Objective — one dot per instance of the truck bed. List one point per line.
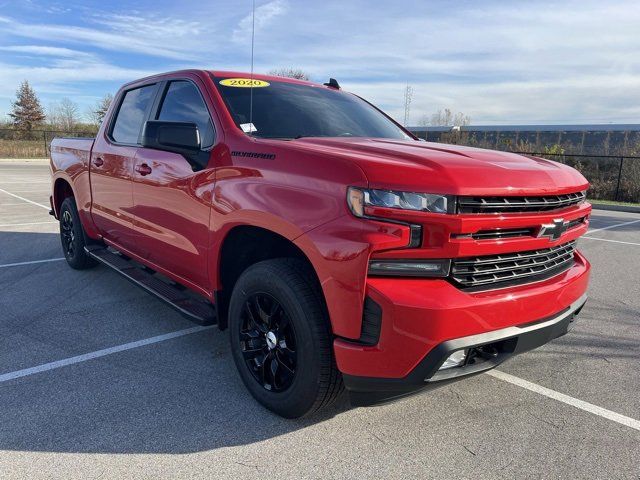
(71, 152)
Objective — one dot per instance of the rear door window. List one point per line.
(132, 114)
(183, 103)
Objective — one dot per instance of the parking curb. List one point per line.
(616, 208)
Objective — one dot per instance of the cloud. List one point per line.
(150, 27)
(522, 62)
(42, 50)
(548, 62)
(49, 78)
(139, 34)
(264, 15)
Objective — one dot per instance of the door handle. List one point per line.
(143, 169)
(98, 162)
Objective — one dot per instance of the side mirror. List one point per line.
(177, 137)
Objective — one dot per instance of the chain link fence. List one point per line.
(610, 160)
(612, 177)
(32, 143)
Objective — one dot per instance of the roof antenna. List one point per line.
(253, 32)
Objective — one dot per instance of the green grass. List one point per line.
(611, 202)
(22, 149)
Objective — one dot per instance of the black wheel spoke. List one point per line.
(273, 370)
(283, 322)
(276, 311)
(66, 231)
(264, 372)
(264, 316)
(287, 355)
(255, 318)
(248, 335)
(252, 353)
(285, 372)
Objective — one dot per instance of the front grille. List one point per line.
(518, 204)
(505, 233)
(573, 223)
(502, 233)
(496, 271)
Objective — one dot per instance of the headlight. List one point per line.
(359, 198)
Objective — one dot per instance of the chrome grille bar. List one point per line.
(521, 266)
(518, 204)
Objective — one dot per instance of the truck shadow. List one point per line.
(176, 396)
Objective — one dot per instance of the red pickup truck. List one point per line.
(337, 249)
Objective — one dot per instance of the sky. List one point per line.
(500, 62)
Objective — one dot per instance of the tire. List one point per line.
(276, 315)
(72, 237)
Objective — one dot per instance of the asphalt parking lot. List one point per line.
(162, 399)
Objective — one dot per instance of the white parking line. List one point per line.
(612, 226)
(12, 204)
(561, 397)
(31, 263)
(23, 224)
(24, 199)
(99, 353)
(30, 182)
(612, 241)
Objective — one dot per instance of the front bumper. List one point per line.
(505, 342)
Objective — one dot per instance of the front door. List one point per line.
(112, 163)
(172, 201)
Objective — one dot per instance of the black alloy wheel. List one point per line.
(268, 342)
(67, 234)
(72, 236)
(280, 337)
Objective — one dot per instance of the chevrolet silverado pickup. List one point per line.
(338, 250)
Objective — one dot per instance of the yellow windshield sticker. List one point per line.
(243, 82)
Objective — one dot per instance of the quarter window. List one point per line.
(183, 103)
(132, 114)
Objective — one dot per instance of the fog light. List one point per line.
(456, 359)
(410, 268)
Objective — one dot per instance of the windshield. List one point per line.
(291, 110)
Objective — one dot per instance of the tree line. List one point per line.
(27, 113)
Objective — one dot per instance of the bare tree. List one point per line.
(26, 110)
(97, 113)
(460, 119)
(290, 72)
(64, 115)
(446, 118)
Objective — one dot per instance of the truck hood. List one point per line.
(448, 169)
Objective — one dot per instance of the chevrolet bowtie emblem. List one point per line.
(553, 230)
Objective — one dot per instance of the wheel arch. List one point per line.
(61, 189)
(244, 245)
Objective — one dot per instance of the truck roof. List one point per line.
(227, 74)
(273, 78)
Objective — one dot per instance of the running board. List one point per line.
(198, 311)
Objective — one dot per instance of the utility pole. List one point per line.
(408, 93)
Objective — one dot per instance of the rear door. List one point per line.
(112, 163)
(171, 197)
